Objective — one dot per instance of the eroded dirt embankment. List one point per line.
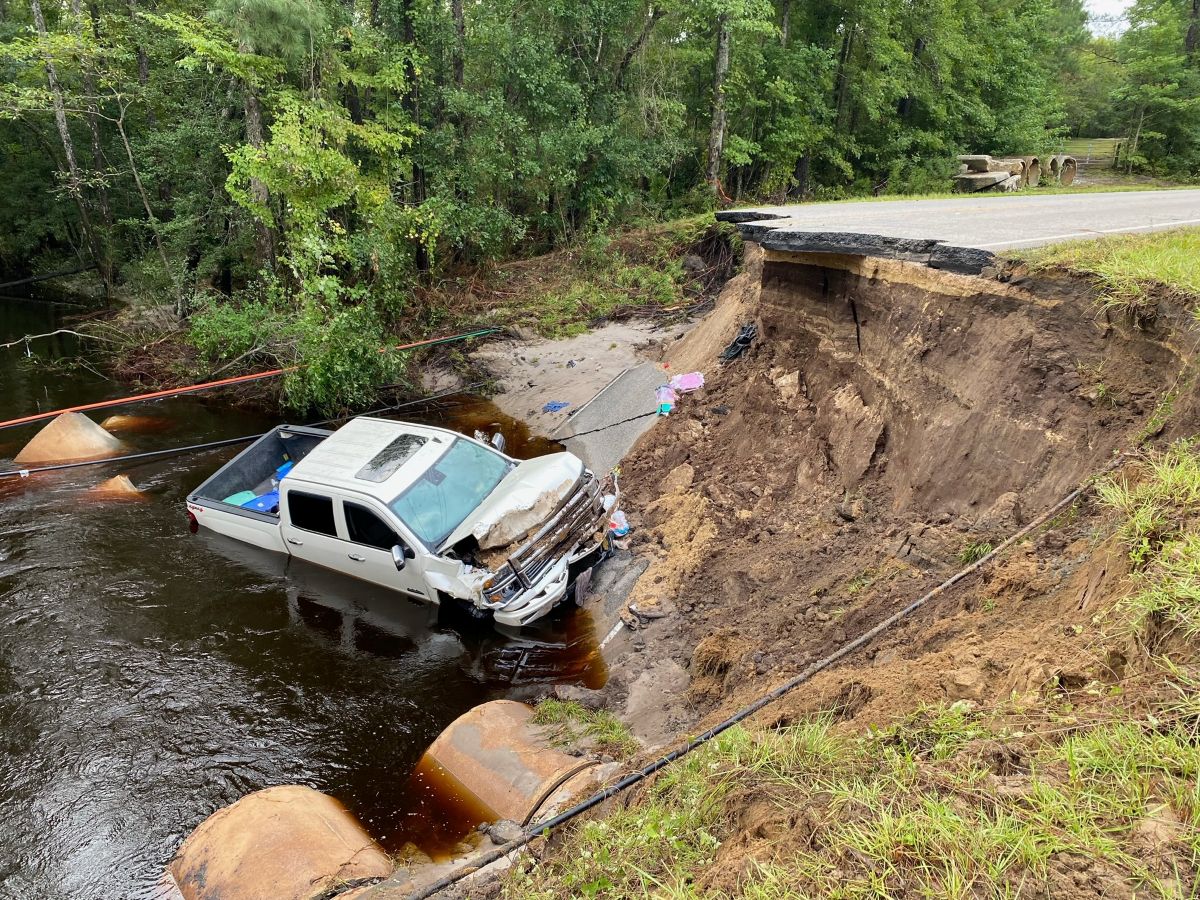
(889, 422)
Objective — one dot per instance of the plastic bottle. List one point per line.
(618, 524)
(666, 397)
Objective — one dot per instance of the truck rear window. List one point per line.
(312, 512)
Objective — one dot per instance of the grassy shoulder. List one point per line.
(1087, 792)
(1130, 271)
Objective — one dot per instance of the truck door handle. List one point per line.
(296, 542)
(356, 557)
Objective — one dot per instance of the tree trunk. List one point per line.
(800, 175)
(181, 304)
(460, 40)
(412, 103)
(785, 23)
(716, 133)
(644, 35)
(264, 240)
(93, 121)
(1137, 136)
(1191, 41)
(74, 181)
(841, 81)
(905, 107)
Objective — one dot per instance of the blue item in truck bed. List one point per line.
(284, 469)
(241, 498)
(265, 503)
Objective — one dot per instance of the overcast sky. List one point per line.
(1106, 11)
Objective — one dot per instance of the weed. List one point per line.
(1158, 419)
(1160, 532)
(572, 722)
(974, 552)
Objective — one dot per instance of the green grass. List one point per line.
(571, 723)
(908, 811)
(1160, 529)
(974, 552)
(610, 273)
(1129, 270)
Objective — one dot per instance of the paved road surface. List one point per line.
(996, 223)
(631, 393)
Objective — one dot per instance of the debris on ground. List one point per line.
(740, 344)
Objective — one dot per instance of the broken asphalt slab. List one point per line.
(609, 437)
(961, 234)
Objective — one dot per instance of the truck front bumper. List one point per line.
(531, 605)
(551, 588)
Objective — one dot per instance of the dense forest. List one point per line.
(296, 166)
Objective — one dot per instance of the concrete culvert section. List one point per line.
(496, 754)
(1033, 171)
(71, 436)
(1066, 170)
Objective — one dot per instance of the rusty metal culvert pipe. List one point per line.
(497, 755)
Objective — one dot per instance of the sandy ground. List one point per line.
(531, 374)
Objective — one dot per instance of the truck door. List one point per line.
(310, 529)
(370, 552)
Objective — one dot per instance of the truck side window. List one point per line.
(311, 512)
(367, 528)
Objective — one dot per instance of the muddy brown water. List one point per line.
(149, 676)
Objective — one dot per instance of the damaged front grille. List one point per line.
(582, 516)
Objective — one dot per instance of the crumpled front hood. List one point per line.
(528, 496)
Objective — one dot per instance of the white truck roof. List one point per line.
(376, 457)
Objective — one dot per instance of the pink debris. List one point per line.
(685, 384)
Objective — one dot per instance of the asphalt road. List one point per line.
(995, 222)
(629, 394)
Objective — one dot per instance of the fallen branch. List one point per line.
(34, 337)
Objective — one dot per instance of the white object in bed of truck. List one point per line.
(397, 504)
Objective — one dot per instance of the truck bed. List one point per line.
(253, 471)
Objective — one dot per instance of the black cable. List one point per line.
(25, 473)
(570, 437)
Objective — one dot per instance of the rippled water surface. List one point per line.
(149, 676)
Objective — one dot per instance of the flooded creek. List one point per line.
(149, 676)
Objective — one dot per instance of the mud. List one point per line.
(889, 419)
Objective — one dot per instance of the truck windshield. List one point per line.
(437, 502)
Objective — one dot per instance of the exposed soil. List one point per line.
(889, 420)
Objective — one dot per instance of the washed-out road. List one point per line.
(960, 234)
(997, 222)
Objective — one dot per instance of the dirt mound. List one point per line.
(890, 424)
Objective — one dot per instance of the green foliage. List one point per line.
(338, 154)
(336, 348)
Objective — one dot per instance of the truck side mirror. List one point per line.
(399, 557)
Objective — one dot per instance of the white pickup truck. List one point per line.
(429, 513)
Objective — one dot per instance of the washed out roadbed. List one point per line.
(891, 424)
